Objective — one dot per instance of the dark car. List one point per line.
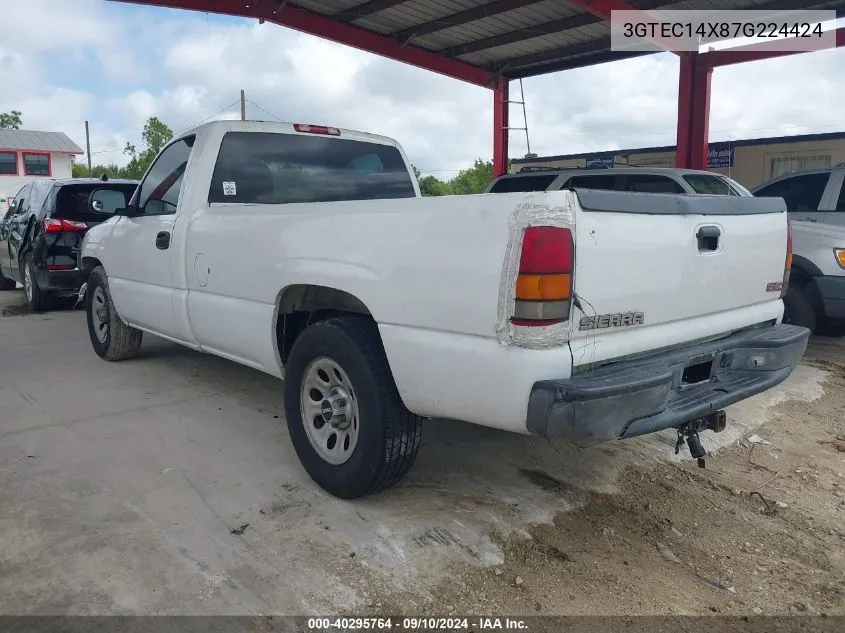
(42, 231)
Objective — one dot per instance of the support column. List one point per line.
(500, 126)
(693, 112)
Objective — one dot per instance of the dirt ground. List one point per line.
(759, 531)
(167, 485)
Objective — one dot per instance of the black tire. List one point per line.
(119, 341)
(798, 308)
(7, 284)
(38, 300)
(388, 435)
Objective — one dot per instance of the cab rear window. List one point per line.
(710, 185)
(273, 168)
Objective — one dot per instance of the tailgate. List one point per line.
(673, 259)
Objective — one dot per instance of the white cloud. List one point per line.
(184, 67)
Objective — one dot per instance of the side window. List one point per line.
(21, 204)
(650, 183)
(840, 204)
(801, 193)
(592, 182)
(159, 193)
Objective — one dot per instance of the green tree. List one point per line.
(154, 136)
(10, 120)
(468, 181)
(430, 185)
(472, 180)
(80, 170)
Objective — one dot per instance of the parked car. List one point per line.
(42, 231)
(633, 179)
(816, 204)
(306, 252)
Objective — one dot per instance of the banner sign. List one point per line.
(599, 160)
(720, 155)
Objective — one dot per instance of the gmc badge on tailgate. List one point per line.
(601, 321)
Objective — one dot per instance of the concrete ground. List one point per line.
(168, 485)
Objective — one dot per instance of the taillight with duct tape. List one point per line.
(544, 283)
(787, 267)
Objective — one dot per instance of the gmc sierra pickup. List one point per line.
(307, 252)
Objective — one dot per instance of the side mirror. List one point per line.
(106, 201)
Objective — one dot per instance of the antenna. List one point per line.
(525, 120)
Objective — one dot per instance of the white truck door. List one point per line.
(141, 277)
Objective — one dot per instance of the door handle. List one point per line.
(708, 238)
(163, 241)
(708, 231)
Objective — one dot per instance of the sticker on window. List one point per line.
(229, 189)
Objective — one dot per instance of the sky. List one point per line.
(63, 62)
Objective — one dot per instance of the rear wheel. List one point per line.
(7, 284)
(346, 419)
(798, 308)
(111, 338)
(37, 299)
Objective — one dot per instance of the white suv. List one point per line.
(816, 204)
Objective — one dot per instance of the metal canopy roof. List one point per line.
(473, 40)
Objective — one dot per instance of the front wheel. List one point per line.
(347, 422)
(111, 338)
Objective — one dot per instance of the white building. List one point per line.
(27, 155)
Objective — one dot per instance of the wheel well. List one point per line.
(301, 305)
(803, 279)
(89, 263)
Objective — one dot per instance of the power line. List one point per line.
(278, 118)
(208, 118)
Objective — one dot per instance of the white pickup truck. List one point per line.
(307, 252)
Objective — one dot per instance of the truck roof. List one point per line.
(286, 128)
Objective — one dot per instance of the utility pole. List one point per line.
(243, 106)
(88, 148)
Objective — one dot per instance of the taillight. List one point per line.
(544, 283)
(787, 266)
(316, 129)
(53, 225)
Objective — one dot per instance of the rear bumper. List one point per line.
(831, 293)
(645, 395)
(62, 281)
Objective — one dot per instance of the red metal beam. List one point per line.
(755, 52)
(693, 112)
(315, 24)
(603, 9)
(500, 127)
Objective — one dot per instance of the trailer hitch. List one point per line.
(688, 433)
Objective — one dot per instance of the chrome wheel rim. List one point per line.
(27, 282)
(100, 314)
(329, 410)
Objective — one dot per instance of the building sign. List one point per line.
(720, 155)
(599, 160)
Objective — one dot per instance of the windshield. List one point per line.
(714, 185)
